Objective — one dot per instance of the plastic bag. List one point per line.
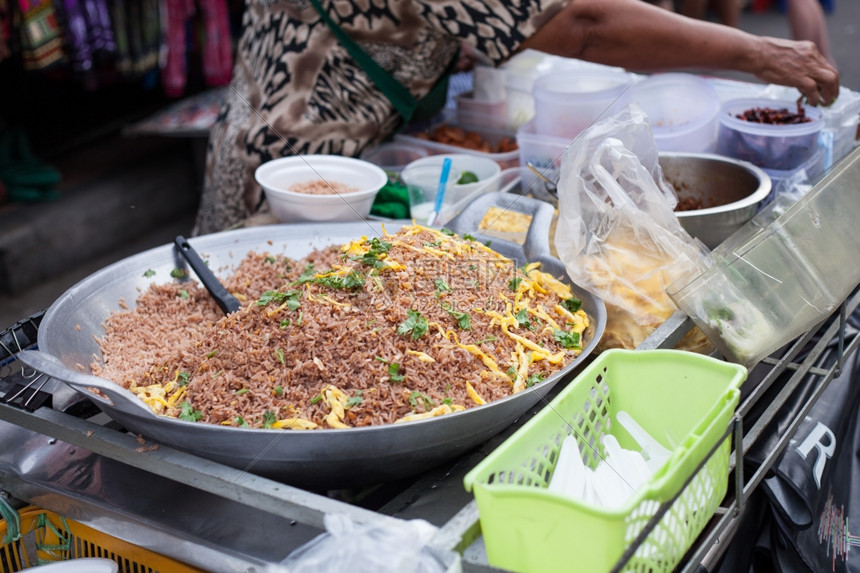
(618, 235)
(378, 547)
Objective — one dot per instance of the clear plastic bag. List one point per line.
(618, 235)
(378, 547)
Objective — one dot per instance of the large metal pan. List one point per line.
(318, 459)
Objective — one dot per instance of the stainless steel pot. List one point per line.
(730, 191)
(318, 459)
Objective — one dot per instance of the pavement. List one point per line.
(123, 195)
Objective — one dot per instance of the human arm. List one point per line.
(639, 36)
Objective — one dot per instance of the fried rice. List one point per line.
(405, 326)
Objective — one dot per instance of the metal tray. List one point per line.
(316, 460)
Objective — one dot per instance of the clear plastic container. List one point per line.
(542, 151)
(419, 135)
(393, 157)
(769, 285)
(567, 102)
(481, 112)
(681, 108)
(780, 147)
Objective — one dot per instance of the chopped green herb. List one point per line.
(299, 321)
(468, 237)
(279, 391)
(307, 274)
(463, 319)
(183, 378)
(441, 285)
(291, 297)
(183, 294)
(488, 339)
(448, 232)
(381, 359)
(285, 323)
(566, 339)
(269, 419)
(149, 273)
(188, 413)
(316, 399)
(179, 273)
(242, 391)
(394, 372)
(373, 256)
(415, 324)
(416, 395)
(448, 401)
(240, 421)
(514, 283)
(279, 354)
(523, 319)
(270, 260)
(211, 354)
(217, 374)
(354, 400)
(512, 372)
(488, 243)
(572, 304)
(351, 281)
(435, 244)
(535, 379)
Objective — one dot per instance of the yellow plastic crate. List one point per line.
(56, 538)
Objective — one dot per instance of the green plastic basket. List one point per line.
(684, 400)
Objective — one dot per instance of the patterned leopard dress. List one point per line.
(296, 89)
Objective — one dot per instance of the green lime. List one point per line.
(467, 177)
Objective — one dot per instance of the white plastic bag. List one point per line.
(379, 547)
(618, 235)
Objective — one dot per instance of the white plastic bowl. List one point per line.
(278, 175)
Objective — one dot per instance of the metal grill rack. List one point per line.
(60, 454)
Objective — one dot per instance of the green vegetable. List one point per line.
(415, 324)
(149, 273)
(463, 319)
(183, 378)
(572, 304)
(351, 281)
(567, 339)
(467, 177)
(269, 419)
(355, 400)
(290, 297)
(279, 354)
(179, 273)
(188, 413)
(394, 372)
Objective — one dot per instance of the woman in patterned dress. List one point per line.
(297, 90)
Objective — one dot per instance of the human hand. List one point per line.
(798, 64)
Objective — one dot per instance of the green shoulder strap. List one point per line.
(400, 97)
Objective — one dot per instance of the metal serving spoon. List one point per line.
(226, 301)
(551, 187)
